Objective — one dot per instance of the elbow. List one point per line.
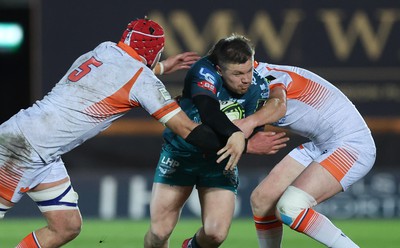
(181, 125)
(282, 107)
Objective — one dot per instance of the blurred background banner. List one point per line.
(353, 44)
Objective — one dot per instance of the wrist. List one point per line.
(253, 121)
(246, 142)
(159, 68)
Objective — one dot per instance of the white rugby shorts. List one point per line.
(348, 160)
(21, 168)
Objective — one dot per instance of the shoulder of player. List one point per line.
(203, 70)
(110, 53)
(204, 67)
(106, 46)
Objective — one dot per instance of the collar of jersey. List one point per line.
(129, 50)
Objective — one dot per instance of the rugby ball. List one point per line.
(233, 110)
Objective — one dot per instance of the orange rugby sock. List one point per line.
(269, 231)
(29, 241)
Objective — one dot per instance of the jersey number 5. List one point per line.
(83, 69)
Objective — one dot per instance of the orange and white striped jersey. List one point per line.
(316, 109)
(101, 86)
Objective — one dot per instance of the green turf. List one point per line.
(129, 233)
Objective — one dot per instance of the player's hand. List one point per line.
(233, 149)
(179, 62)
(266, 143)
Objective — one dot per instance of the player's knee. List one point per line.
(70, 231)
(68, 227)
(215, 238)
(261, 202)
(65, 224)
(292, 203)
(64, 227)
(159, 236)
(74, 227)
(215, 233)
(256, 199)
(73, 233)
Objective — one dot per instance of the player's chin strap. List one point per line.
(60, 197)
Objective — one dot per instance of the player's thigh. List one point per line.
(167, 202)
(21, 168)
(217, 207)
(336, 166)
(278, 179)
(29, 173)
(318, 182)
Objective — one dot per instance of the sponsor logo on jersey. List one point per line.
(168, 165)
(207, 74)
(263, 83)
(207, 86)
(24, 189)
(165, 94)
(254, 81)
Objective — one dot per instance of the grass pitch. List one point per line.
(129, 233)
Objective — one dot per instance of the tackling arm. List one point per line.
(273, 110)
(205, 138)
(266, 143)
(177, 62)
(212, 116)
(198, 135)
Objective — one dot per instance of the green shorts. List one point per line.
(190, 169)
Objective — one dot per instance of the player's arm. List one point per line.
(273, 110)
(212, 116)
(205, 138)
(177, 62)
(266, 142)
(201, 136)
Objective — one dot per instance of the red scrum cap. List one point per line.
(147, 38)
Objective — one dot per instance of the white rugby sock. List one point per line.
(343, 241)
(320, 228)
(269, 231)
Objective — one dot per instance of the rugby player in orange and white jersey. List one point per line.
(101, 86)
(341, 151)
